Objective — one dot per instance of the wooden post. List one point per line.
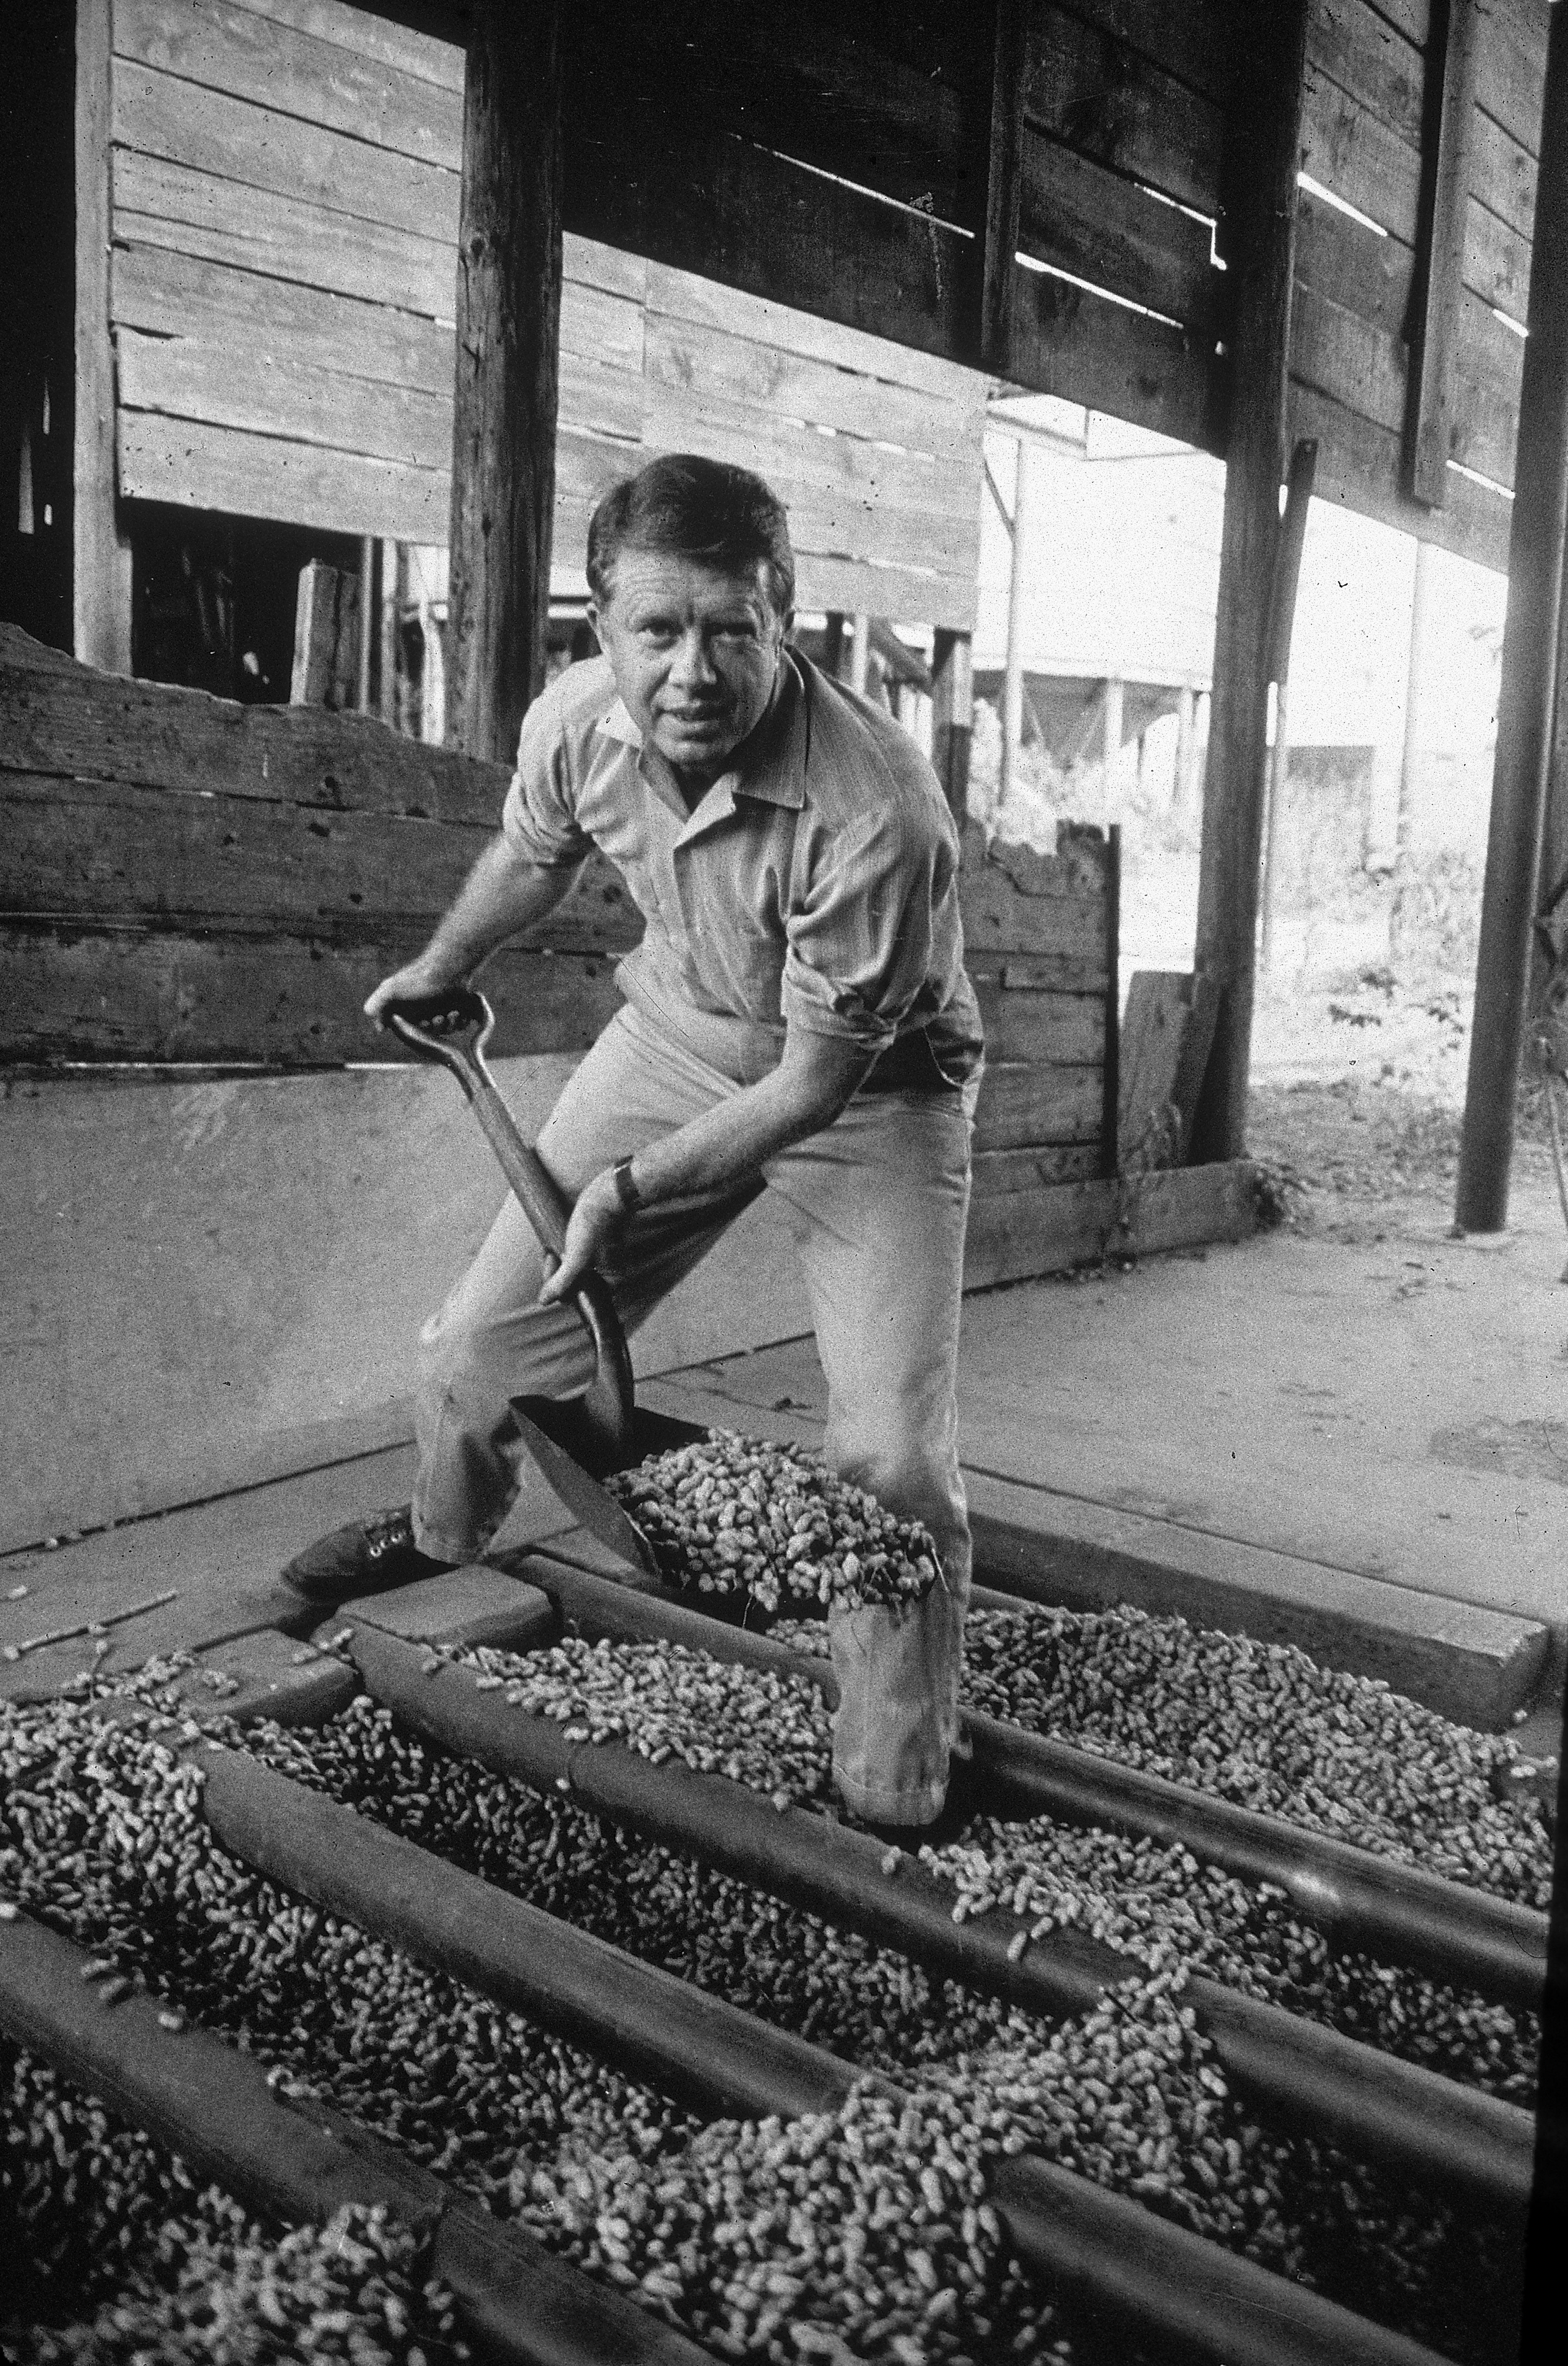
(391, 592)
(369, 622)
(860, 654)
(1186, 746)
(101, 598)
(1004, 181)
(952, 717)
(509, 320)
(833, 645)
(1526, 691)
(1017, 596)
(1443, 246)
(1288, 547)
(1259, 190)
(1113, 726)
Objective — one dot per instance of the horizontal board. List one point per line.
(996, 1173)
(154, 112)
(1090, 90)
(1195, 42)
(1012, 893)
(283, 235)
(1363, 367)
(1041, 1023)
(1022, 1103)
(66, 720)
(363, 30)
(1510, 64)
(706, 365)
(680, 295)
(899, 595)
(245, 864)
(1362, 465)
(273, 1001)
(715, 205)
(1084, 219)
(209, 467)
(1082, 349)
(172, 295)
(222, 47)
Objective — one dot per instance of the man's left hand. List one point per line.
(591, 1227)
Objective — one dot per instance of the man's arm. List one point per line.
(812, 1083)
(502, 894)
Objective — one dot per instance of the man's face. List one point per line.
(694, 651)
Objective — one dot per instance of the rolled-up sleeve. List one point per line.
(858, 947)
(539, 818)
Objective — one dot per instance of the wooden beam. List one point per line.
(509, 326)
(1522, 766)
(952, 717)
(1019, 559)
(1281, 619)
(1004, 181)
(100, 553)
(1442, 248)
(1262, 165)
(860, 654)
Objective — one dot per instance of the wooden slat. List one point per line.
(1361, 465)
(1091, 221)
(154, 112)
(1337, 353)
(1196, 43)
(1024, 1103)
(100, 577)
(283, 235)
(1085, 349)
(1513, 56)
(998, 1173)
(273, 1001)
(1352, 43)
(1092, 91)
(901, 595)
(743, 312)
(363, 30)
(1041, 1023)
(202, 467)
(712, 204)
(1003, 214)
(704, 364)
(1052, 907)
(218, 46)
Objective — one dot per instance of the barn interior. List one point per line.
(330, 326)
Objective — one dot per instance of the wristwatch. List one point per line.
(626, 1190)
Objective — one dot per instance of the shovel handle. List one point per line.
(455, 1028)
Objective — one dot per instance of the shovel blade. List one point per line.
(586, 1499)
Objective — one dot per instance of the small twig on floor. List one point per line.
(89, 1626)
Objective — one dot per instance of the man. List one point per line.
(797, 1018)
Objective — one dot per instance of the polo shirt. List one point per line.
(814, 886)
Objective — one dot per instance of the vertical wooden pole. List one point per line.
(369, 622)
(391, 592)
(1186, 741)
(833, 645)
(1526, 691)
(101, 555)
(1432, 382)
(509, 319)
(1113, 727)
(952, 717)
(1410, 760)
(860, 654)
(1262, 159)
(1017, 602)
(1004, 181)
(1285, 577)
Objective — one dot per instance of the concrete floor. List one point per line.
(1396, 1408)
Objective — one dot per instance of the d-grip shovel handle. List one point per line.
(455, 1028)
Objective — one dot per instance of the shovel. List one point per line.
(455, 1028)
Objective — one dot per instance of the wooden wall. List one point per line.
(285, 196)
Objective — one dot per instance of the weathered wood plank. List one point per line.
(267, 1001)
(743, 312)
(100, 570)
(1337, 353)
(1357, 47)
(1361, 464)
(1084, 349)
(246, 863)
(254, 392)
(997, 1173)
(362, 30)
(1436, 412)
(899, 594)
(1167, 1030)
(69, 722)
(1196, 43)
(1084, 219)
(220, 47)
(1093, 90)
(1016, 901)
(152, 111)
(1024, 1103)
(1051, 1230)
(1002, 215)
(1031, 1022)
(1513, 56)
(202, 467)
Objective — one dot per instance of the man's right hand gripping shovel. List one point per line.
(454, 1027)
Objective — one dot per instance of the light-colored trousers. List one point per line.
(876, 1204)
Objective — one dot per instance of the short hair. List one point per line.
(691, 508)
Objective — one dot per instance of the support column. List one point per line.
(1114, 727)
(1409, 760)
(952, 717)
(860, 654)
(1258, 222)
(100, 553)
(509, 318)
(1526, 694)
(1186, 749)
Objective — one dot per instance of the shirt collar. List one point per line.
(775, 765)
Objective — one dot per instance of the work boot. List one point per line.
(367, 1557)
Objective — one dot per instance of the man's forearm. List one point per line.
(809, 1088)
(501, 894)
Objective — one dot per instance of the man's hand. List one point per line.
(426, 976)
(592, 1226)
